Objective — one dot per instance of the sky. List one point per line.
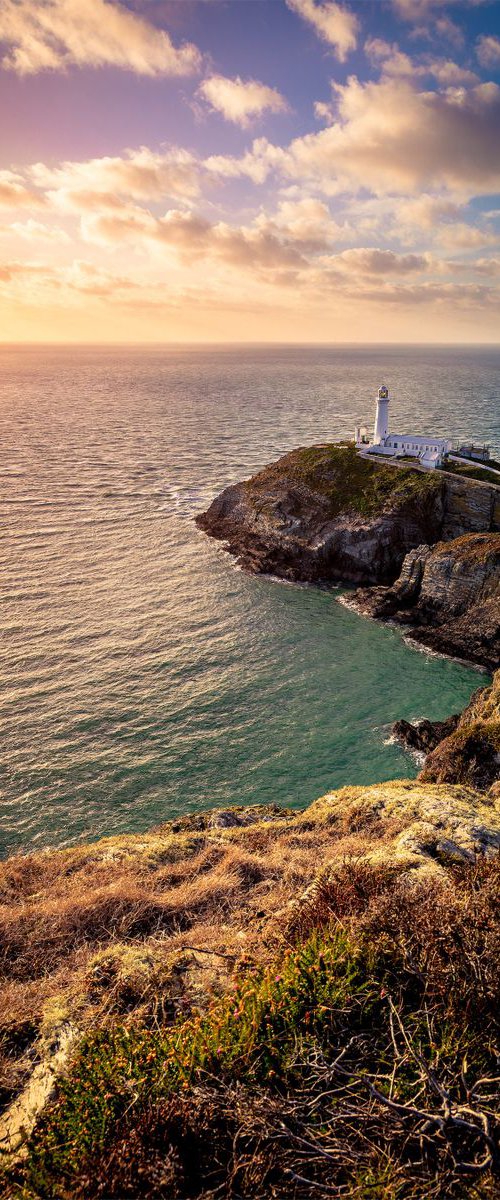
(250, 170)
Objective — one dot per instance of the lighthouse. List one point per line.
(381, 428)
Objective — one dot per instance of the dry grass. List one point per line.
(362, 1062)
(146, 927)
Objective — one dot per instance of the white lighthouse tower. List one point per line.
(381, 428)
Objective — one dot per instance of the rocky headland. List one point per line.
(448, 595)
(425, 546)
(324, 513)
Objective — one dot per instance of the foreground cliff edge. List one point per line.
(259, 1002)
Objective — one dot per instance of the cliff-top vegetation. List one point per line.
(349, 483)
(263, 1003)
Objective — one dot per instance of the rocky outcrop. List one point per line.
(323, 513)
(424, 736)
(464, 749)
(449, 595)
(470, 753)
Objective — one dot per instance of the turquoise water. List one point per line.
(142, 675)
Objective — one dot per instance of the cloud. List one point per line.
(193, 237)
(306, 223)
(35, 231)
(446, 28)
(448, 73)
(140, 174)
(426, 212)
(50, 35)
(388, 136)
(39, 282)
(396, 62)
(255, 164)
(418, 10)
(15, 194)
(486, 266)
(239, 100)
(370, 261)
(488, 50)
(461, 236)
(334, 24)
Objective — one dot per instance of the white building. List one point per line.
(426, 447)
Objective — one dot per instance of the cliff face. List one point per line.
(450, 595)
(466, 748)
(323, 513)
(469, 507)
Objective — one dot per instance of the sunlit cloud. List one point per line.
(241, 101)
(371, 261)
(333, 23)
(401, 139)
(51, 35)
(350, 226)
(140, 174)
(14, 193)
(395, 62)
(418, 10)
(35, 231)
(461, 236)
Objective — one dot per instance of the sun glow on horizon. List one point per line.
(270, 173)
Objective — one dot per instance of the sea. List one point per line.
(142, 674)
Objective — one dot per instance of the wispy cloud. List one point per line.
(394, 61)
(418, 10)
(15, 194)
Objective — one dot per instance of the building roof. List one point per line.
(438, 440)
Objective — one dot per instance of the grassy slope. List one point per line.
(473, 472)
(363, 1057)
(350, 483)
(183, 1048)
